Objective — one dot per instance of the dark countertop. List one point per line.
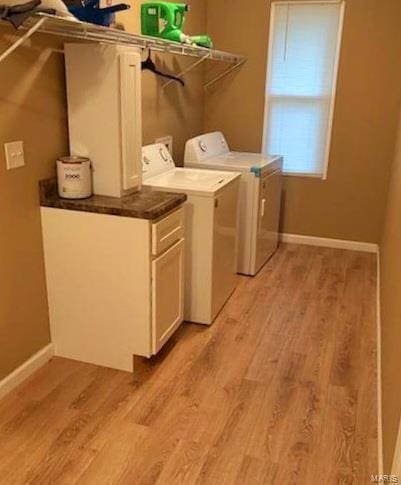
(144, 204)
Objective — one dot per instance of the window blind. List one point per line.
(302, 71)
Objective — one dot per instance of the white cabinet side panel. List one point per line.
(97, 270)
(131, 119)
(93, 95)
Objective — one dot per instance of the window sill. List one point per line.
(305, 175)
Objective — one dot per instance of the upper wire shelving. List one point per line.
(75, 29)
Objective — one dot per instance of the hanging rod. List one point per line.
(186, 70)
(75, 29)
(224, 74)
(22, 39)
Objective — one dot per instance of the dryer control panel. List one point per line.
(206, 146)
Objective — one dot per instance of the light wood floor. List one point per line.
(280, 390)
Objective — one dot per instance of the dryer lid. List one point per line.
(211, 151)
(255, 163)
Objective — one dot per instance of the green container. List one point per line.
(165, 20)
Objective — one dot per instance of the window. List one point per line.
(304, 49)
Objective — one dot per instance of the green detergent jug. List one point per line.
(165, 20)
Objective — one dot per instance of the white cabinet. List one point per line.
(104, 113)
(110, 295)
(168, 294)
(131, 116)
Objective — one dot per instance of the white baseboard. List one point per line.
(330, 243)
(379, 371)
(26, 369)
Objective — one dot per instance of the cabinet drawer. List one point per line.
(167, 231)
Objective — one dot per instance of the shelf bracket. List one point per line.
(186, 70)
(22, 39)
(225, 73)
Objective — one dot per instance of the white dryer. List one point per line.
(260, 195)
(211, 229)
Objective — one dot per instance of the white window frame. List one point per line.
(323, 175)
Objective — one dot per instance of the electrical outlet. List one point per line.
(168, 141)
(14, 154)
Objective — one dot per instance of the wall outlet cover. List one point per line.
(168, 141)
(14, 152)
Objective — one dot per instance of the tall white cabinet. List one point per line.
(104, 113)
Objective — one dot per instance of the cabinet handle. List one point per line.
(216, 203)
(262, 209)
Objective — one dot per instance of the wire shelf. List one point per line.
(75, 29)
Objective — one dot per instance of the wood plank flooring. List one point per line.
(280, 390)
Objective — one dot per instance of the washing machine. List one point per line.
(260, 195)
(211, 229)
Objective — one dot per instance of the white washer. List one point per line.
(260, 195)
(211, 229)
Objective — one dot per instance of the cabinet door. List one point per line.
(167, 294)
(131, 124)
(268, 217)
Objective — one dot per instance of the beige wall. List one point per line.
(32, 109)
(349, 205)
(391, 311)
